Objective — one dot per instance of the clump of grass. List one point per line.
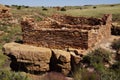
(95, 61)
(9, 75)
(54, 76)
(116, 44)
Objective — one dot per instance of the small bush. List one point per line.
(83, 74)
(116, 66)
(44, 9)
(18, 7)
(63, 9)
(80, 8)
(54, 76)
(115, 30)
(116, 44)
(26, 6)
(7, 6)
(9, 75)
(97, 59)
(112, 5)
(94, 7)
(109, 75)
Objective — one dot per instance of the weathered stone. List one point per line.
(75, 58)
(66, 32)
(57, 33)
(6, 17)
(61, 61)
(34, 58)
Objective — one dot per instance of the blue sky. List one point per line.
(57, 2)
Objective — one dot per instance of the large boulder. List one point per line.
(38, 59)
(60, 61)
(29, 58)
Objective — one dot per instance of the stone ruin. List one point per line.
(54, 43)
(4, 12)
(61, 32)
(6, 17)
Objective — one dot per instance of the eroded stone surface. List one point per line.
(31, 57)
(38, 59)
(61, 61)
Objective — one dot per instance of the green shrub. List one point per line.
(97, 58)
(44, 9)
(11, 33)
(94, 7)
(18, 7)
(63, 9)
(9, 75)
(54, 76)
(115, 30)
(116, 44)
(109, 75)
(83, 74)
(116, 67)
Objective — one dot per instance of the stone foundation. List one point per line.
(61, 32)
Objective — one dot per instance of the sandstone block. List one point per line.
(62, 61)
(33, 58)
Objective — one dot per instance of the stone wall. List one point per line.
(60, 33)
(6, 17)
(4, 12)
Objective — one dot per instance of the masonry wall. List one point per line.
(95, 36)
(59, 39)
(65, 36)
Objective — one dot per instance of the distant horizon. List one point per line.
(51, 3)
(58, 6)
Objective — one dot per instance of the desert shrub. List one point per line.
(97, 58)
(83, 74)
(26, 6)
(38, 18)
(80, 8)
(116, 17)
(116, 67)
(94, 7)
(116, 44)
(115, 30)
(11, 33)
(7, 6)
(54, 76)
(112, 5)
(63, 9)
(18, 7)
(44, 9)
(14, 5)
(9, 75)
(3, 28)
(109, 75)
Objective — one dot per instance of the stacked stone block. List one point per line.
(59, 35)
